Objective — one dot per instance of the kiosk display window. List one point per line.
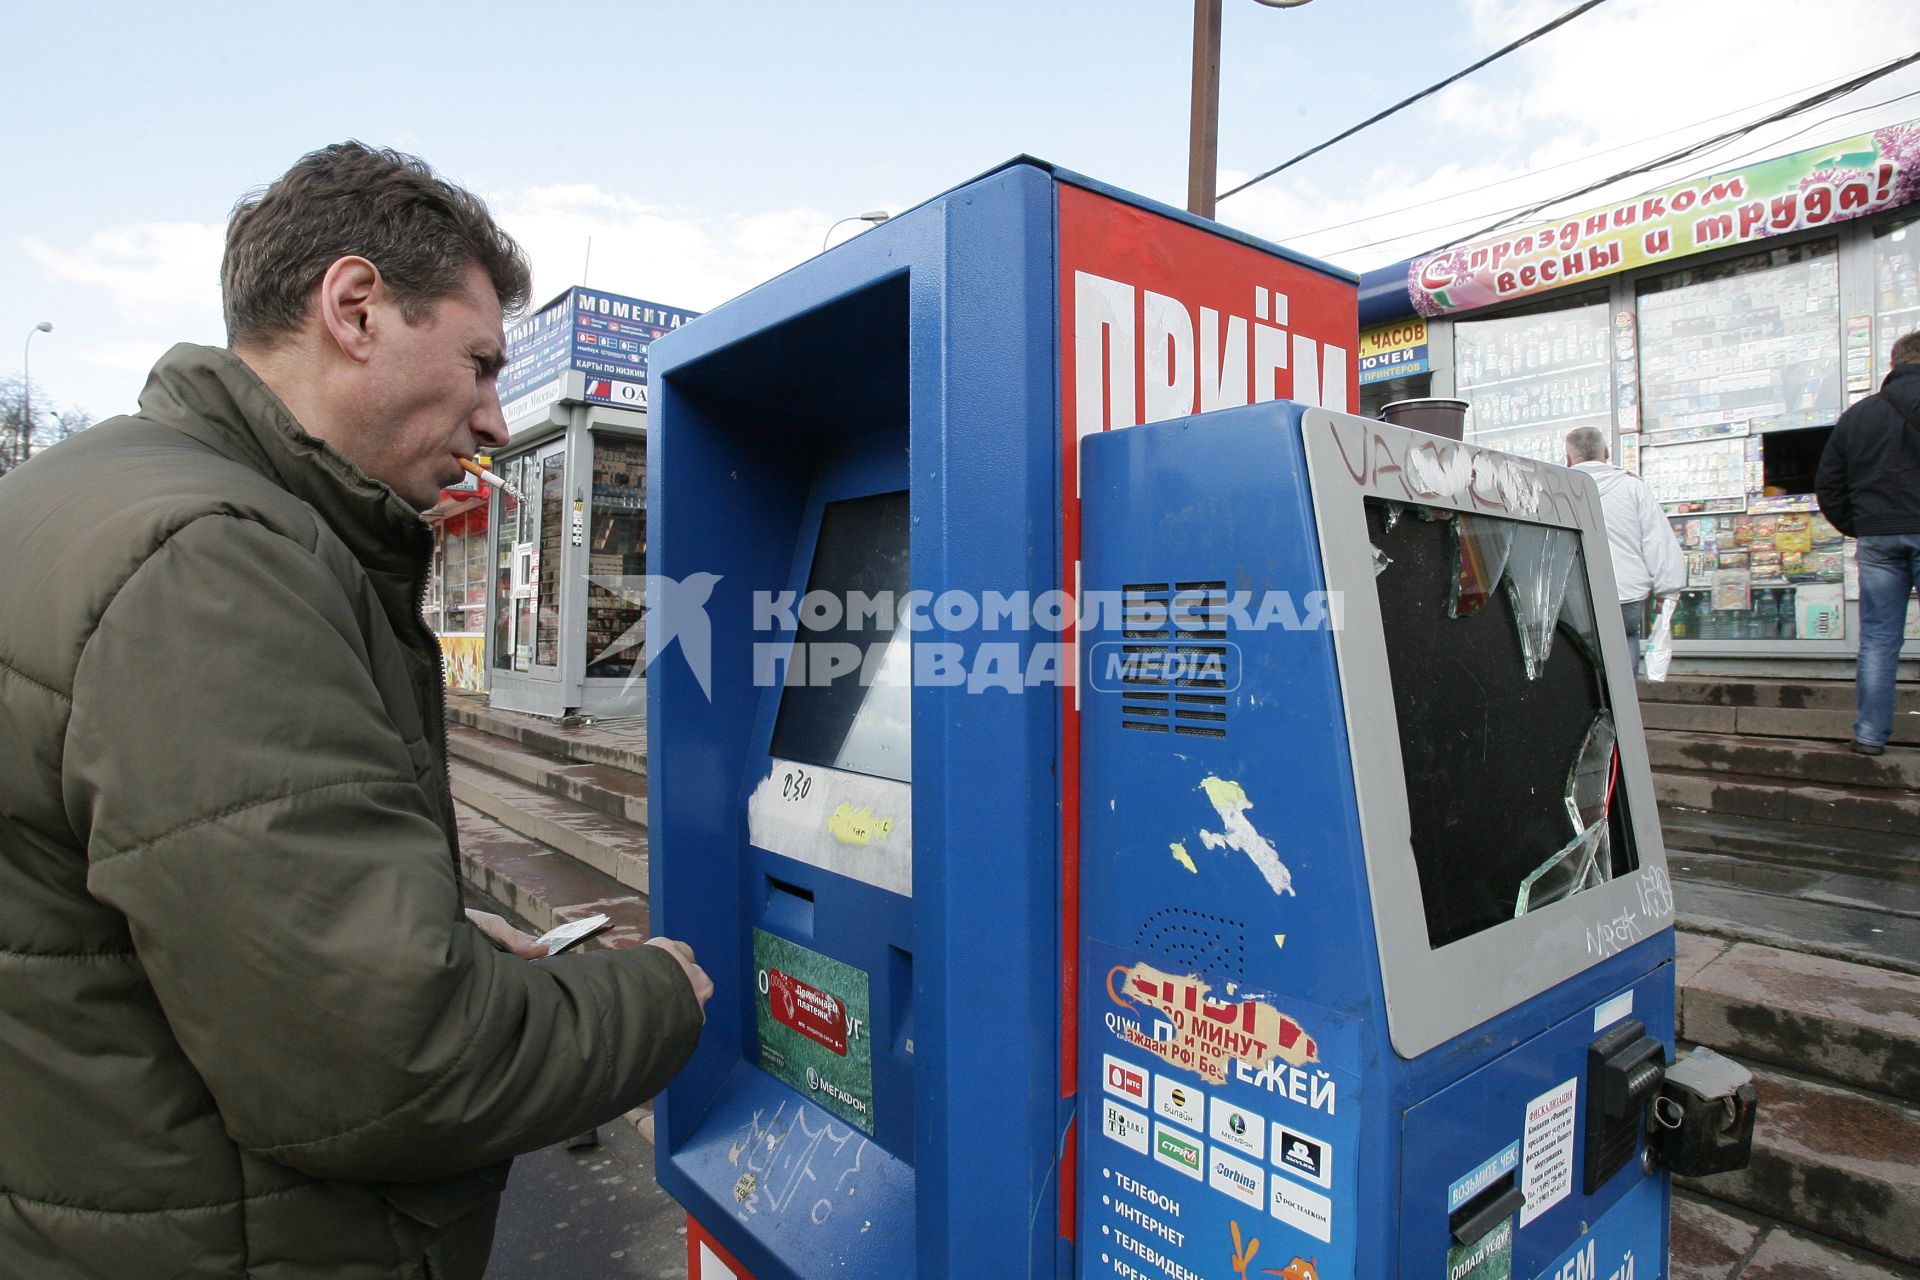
(1533, 377)
(546, 650)
(509, 574)
(457, 591)
(1741, 382)
(1505, 721)
(848, 703)
(616, 557)
(1896, 291)
(1752, 342)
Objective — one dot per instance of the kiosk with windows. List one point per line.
(1286, 900)
(565, 624)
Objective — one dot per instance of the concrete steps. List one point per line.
(1832, 764)
(1712, 1240)
(576, 744)
(1784, 800)
(1838, 1161)
(1835, 1052)
(575, 791)
(1768, 722)
(614, 848)
(1850, 1024)
(1783, 695)
(1779, 750)
(616, 792)
(1882, 856)
(544, 888)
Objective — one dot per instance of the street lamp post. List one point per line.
(26, 390)
(875, 216)
(1203, 142)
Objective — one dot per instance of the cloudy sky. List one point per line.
(705, 147)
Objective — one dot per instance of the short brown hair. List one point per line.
(1906, 349)
(350, 199)
(1587, 444)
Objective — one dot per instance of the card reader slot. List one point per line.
(790, 909)
(1487, 1210)
(900, 1002)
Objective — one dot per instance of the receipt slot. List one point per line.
(1377, 943)
(863, 725)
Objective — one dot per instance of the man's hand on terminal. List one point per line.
(496, 927)
(702, 984)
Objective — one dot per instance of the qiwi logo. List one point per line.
(1141, 356)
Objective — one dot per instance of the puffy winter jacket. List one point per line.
(245, 1030)
(1869, 477)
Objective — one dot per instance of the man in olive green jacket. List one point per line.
(245, 1028)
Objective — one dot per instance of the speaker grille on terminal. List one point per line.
(1175, 658)
(1196, 941)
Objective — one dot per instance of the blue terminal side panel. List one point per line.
(876, 1090)
(1220, 876)
(1242, 1105)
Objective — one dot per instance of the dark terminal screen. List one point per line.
(1505, 723)
(848, 699)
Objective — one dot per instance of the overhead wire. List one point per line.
(1518, 210)
(1295, 236)
(1427, 92)
(1688, 152)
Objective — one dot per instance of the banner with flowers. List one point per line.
(1821, 186)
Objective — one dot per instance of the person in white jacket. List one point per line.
(1647, 563)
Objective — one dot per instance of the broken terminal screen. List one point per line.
(1505, 716)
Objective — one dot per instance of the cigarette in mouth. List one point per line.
(468, 464)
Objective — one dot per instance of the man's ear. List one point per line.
(349, 295)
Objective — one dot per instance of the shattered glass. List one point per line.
(1587, 859)
(1480, 549)
(1500, 695)
(1533, 562)
(1537, 570)
(1380, 561)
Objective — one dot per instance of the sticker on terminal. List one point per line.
(1123, 1079)
(1237, 1127)
(1486, 1175)
(1303, 1155)
(1177, 1151)
(1308, 1211)
(1181, 1103)
(808, 1010)
(1241, 1179)
(1125, 1126)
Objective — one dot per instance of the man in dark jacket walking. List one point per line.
(245, 1028)
(1869, 482)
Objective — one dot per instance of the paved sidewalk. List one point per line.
(595, 1214)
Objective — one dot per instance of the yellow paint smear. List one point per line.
(849, 825)
(1225, 793)
(1180, 856)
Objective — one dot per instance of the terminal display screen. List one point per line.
(847, 703)
(1505, 720)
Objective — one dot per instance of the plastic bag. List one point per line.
(1659, 652)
